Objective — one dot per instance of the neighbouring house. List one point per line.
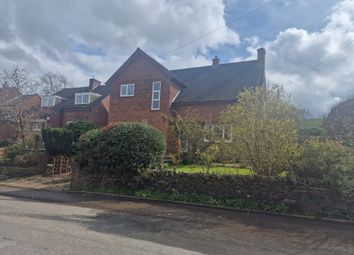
(15, 107)
(89, 103)
(144, 90)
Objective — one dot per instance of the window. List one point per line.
(218, 131)
(156, 93)
(48, 101)
(127, 90)
(82, 98)
(37, 126)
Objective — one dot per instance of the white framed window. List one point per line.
(82, 98)
(127, 90)
(48, 101)
(219, 131)
(156, 94)
(37, 126)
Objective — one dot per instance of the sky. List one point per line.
(309, 44)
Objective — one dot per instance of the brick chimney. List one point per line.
(216, 61)
(261, 53)
(94, 83)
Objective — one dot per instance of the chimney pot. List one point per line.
(216, 61)
(261, 53)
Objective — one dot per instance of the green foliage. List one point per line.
(207, 158)
(175, 160)
(314, 131)
(239, 203)
(9, 153)
(312, 127)
(340, 120)
(80, 127)
(123, 151)
(4, 143)
(327, 160)
(190, 130)
(58, 141)
(264, 130)
(224, 152)
(87, 147)
(215, 169)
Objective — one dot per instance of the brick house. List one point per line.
(10, 100)
(144, 90)
(89, 103)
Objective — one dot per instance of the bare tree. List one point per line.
(15, 109)
(53, 82)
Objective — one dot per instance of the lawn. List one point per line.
(313, 123)
(214, 170)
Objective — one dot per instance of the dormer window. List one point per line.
(85, 98)
(127, 90)
(50, 101)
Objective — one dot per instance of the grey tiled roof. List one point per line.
(69, 95)
(200, 84)
(215, 83)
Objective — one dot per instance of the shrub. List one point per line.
(312, 131)
(206, 158)
(122, 151)
(57, 141)
(87, 145)
(9, 153)
(4, 143)
(225, 152)
(191, 133)
(264, 128)
(80, 127)
(327, 160)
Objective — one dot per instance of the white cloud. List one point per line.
(315, 67)
(62, 36)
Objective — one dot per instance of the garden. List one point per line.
(262, 154)
(271, 163)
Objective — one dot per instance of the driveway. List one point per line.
(53, 222)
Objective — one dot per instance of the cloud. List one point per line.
(315, 67)
(88, 36)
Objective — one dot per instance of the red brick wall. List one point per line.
(98, 114)
(138, 108)
(6, 132)
(210, 111)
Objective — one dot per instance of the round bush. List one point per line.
(87, 146)
(325, 159)
(122, 151)
(57, 141)
(80, 127)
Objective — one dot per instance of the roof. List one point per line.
(140, 52)
(69, 95)
(8, 93)
(199, 84)
(218, 83)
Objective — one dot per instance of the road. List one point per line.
(32, 223)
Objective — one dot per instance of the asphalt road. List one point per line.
(78, 224)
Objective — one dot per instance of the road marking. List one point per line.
(5, 242)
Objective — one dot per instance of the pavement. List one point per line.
(56, 222)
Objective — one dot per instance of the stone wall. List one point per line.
(306, 196)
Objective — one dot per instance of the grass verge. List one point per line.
(248, 204)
